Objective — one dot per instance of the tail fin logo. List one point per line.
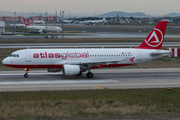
(155, 38)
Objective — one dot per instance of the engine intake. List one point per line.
(70, 69)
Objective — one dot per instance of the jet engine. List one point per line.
(70, 69)
(40, 31)
(53, 69)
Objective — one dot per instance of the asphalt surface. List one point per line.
(87, 35)
(74, 45)
(99, 31)
(103, 79)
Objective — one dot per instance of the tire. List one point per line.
(26, 75)
(89, 75)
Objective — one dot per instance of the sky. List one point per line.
(96, 7)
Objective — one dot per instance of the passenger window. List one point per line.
(17, 55)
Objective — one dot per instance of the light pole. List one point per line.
(14, 23)
(46, 24)
(62, 25)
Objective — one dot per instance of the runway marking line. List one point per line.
(99, 87)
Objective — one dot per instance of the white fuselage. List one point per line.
(93, 21)
(55, 58)
(38, 21)
(43, 28)
(17, 25)
(68, 21)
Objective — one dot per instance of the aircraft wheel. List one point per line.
(89, 75)
(26, 75)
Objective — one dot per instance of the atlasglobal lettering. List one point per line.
(63, 56)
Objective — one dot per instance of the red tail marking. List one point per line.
(155, 39)
(26, 22)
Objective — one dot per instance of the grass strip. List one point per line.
(107, 103)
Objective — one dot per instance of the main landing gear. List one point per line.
(89, 74)
(26, 72)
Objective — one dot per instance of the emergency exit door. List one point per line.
(139, 55)
(28, 56)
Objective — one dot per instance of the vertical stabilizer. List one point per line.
(155, 39)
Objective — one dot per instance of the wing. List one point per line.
(89, 64)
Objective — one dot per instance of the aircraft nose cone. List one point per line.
(4, 61)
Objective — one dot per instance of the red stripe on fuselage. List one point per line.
(59, 66)
(33, 66)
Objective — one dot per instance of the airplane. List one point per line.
(37, 21)
(42, 29)
(76, 61)
(66, 21)
(91, 22)
(19, 25)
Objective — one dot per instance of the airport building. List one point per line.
(50, 18)
(19, 19)
(36, 17)
(8, 19)
(2, 27)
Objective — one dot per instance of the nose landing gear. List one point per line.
(26, 72)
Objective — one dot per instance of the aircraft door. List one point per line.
(139, 55)
(28, 56)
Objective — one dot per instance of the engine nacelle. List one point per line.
(53, 69)
(71, 69)
(40, 31)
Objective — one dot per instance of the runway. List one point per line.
(103, 79)
(81, 45)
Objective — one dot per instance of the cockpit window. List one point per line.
(14, 55)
